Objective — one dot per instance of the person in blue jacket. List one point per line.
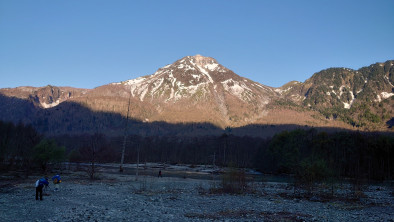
(40, 185)
(56, 181)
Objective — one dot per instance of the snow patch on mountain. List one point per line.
(386, 95)
(238, 89)
(192, 89)
(348, 105)
(135, 84)
(211, 67)
(172, 79)
(234, 87)
(335, 93)
(50, 105)
(281, 91)
(263, 87)
(341, 90)
(196, 77)
(383, 95)
(206, 74)
(142, 91)
(258, 85)
(185, 67)
(388, 80)
(134, 81)
(156, 85)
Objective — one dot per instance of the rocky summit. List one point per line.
(199, 90)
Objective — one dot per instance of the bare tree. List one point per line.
(138, 161)
(91, 150)
(125, 136)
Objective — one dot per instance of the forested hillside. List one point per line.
(362, 98)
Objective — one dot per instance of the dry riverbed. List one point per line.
(120, 197)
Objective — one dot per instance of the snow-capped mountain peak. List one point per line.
(207, 63)
(193, 76)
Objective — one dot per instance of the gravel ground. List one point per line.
(116, 197)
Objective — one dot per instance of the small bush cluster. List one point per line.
(233, 181)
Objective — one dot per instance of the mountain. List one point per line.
(197, 90)
(44, 97)
(361, 98)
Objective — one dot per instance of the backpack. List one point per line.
(56, 179)
(37, 183)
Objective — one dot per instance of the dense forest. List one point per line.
(307, 154)
(23, 148)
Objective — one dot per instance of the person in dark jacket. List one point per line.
(40, 185)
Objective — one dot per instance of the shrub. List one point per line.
(312, 171)
(233, 182)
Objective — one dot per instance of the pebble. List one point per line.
(95, 202)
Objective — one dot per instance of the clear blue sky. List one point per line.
(90, 43)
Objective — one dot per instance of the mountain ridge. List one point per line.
(199, 89)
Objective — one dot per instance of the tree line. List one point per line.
(316, 156)
(309, 155)
(23, 148)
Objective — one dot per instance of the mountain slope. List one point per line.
(44, 97)
(362, 98)
(197, 89)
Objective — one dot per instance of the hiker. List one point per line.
(56, 181)
(159, 174)
(40, 185)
